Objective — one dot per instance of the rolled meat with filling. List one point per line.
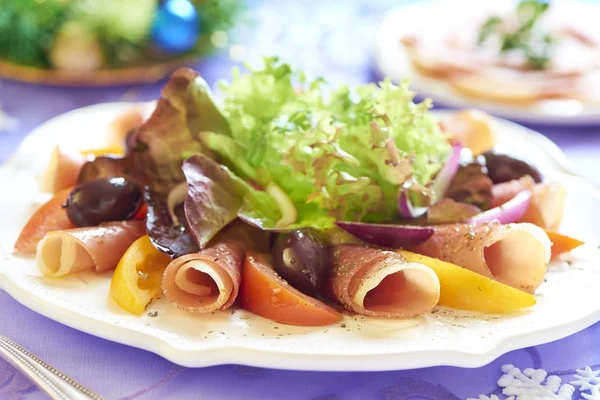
(98, 248)
(210, 279)
(381, 283)
(514, 254)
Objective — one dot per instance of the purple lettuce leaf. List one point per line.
(216, 197)
(175, 240)
(171, 134)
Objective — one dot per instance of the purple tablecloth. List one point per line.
(331, 40)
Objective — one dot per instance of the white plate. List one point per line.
(422, 16)
(568, 302)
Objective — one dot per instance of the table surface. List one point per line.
(333, 40)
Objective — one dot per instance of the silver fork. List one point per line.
(54, 383)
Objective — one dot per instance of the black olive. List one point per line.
(102, 167)
(504, 168)
(300, 257)
(102, 200)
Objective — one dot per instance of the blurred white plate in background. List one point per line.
(431, 15)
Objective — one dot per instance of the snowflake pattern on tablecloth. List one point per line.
(536, 384)
(588, 380)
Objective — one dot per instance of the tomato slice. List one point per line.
(265, 293)
(49, 217)
(141, 213)
(137, 278)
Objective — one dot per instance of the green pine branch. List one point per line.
(28, 28)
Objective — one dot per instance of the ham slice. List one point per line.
(98, 248)
(514, 254)
(547, 203)
(382, 283)
(547, 206)
(205, 281)
(210, 279)
(503, 192)
(62, 171)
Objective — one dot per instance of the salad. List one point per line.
(300, 202)
(532, 53)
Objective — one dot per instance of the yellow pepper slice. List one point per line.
(465, 290)
(138, 276)
(102, 151)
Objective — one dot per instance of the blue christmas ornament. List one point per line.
(176, 26)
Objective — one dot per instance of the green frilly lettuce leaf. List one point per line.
(336, 154)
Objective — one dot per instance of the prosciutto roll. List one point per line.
(381, 283)
(99, 247)
(514, 254)
(210, 279)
